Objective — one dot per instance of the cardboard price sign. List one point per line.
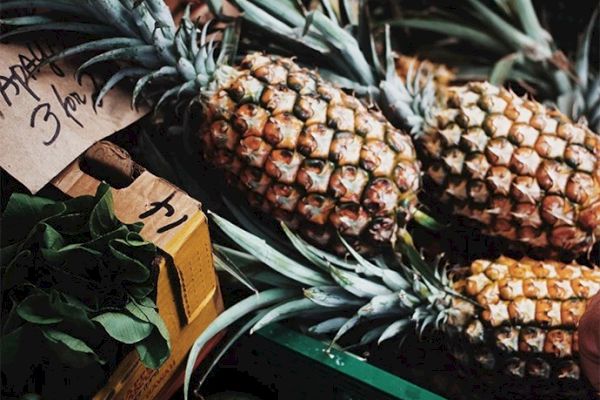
(48, 119)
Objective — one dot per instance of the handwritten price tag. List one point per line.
(48, 119)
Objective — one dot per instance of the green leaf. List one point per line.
(124, 327)
(223, 263)
(146, 311)
(332, 296)
(364, 266)
(100, 243)
(304, 248)
(382, 305)
(449, 28)
(145, 56)
(519, 41)
(133, 72)
(140, 290)
(394, 329)
(74, 312)
(22, 213)
(328, 326)
(50, 237)
(356, 285)
(68, 7)
(227, 342)
(31, 396)
(271, 257)
(130, 269)
(16, 272)
(503, 68)
(11, 345)
(70, 224)
(228, 317)
(582, 59)
(154, 350)
(8, 253)
(75, 352)
(37, 309)
(102, 218)
(73, 258)
(289, 309)
(427, 221)
(92, 29)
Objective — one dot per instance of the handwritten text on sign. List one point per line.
(48, 119)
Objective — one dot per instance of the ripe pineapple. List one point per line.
(303, 150)
(512, 321)
(518, 169)
(309, 154)
(527, 323)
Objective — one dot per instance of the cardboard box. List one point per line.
(188, 296)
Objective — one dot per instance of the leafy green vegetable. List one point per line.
(76, 286)
(123, 327)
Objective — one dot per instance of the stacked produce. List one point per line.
(342, 175)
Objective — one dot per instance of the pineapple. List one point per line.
(517, 169)
(511, 321)
(520, 170)
(526, 325)
(309, 154)
(301, 149)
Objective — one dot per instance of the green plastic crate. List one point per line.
(299, 367)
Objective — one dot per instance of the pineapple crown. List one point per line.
(522, 50)
(142, 33)
(345, 41)
(340, 41)
(339, 294)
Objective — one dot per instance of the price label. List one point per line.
(47, 116)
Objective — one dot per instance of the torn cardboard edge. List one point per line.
(48, 119)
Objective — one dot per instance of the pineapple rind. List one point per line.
(309, 154)
(527, 324)
(519, 170)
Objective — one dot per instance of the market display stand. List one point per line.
(297, 367)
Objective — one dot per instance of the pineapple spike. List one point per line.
(118, 77)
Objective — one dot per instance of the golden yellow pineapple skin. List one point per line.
(516, 168)
(441, 74)
(309, 154)
(525, 321)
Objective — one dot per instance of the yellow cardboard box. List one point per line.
(188, 296)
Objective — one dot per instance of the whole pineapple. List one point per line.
(525, 172)
(511, 321)
(309, 154)
(303, 150)
(520, 170)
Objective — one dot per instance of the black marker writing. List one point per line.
(46, 115)
(169, 212)
(18, 81)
